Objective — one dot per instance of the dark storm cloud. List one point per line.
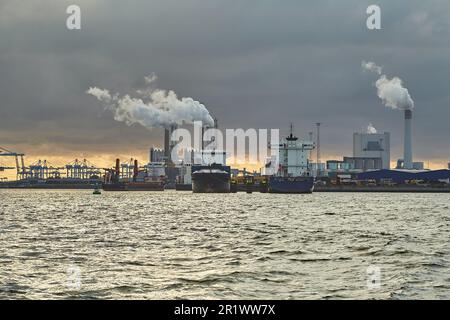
(252, 63)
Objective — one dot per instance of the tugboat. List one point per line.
(293, 174)
(97, 190)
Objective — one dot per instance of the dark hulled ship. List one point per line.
(214, 178)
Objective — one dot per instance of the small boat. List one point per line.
(97, 190)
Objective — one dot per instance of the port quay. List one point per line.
(288, 167)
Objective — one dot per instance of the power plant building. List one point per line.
(371, 151)
(156, 155)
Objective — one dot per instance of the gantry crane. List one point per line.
(82, 169)
(19, 157)
(43, 169)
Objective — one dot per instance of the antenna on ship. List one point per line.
(291, 136)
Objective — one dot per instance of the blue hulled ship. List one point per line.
(291, 185)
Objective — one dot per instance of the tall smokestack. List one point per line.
(407, 156)
(167, 144)
(135, 169)
(203, 137)
(117, 167)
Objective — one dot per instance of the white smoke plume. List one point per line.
(393, 94)
(151, 78)
(371, 129)
(155, 108)
(100, 94)
(371, 66)
(390, 91)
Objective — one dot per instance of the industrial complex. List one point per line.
(367, 169)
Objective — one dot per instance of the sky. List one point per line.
(253, 64)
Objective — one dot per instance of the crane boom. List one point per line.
(6, 153)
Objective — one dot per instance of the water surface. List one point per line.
(178, 245)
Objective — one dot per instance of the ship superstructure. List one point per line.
(290, 172)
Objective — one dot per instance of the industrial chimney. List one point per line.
(407, 156)
(167, 144)
(135, 170)
(117, 170)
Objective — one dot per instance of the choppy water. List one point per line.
(72, 244)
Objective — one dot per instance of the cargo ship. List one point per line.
(148, 179)
(291, 169)
(291, 184)
(214, 178)
(133, 186)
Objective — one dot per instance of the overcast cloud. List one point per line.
(257, 63)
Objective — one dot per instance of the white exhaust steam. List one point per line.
(394, 95)
(390, 91)
(371, 66)
(154, 108)
(371, 129)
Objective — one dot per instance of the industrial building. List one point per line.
(415, 165)
(403, 176)
(352, 164)
(371, 151)
(364, 163)
(156, 155)
(175, 167)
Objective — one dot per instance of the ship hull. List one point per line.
(213, 178)
(291, 184)
(183, 187)
(134, 186)
(211, 183)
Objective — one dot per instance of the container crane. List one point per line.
(82, 169)
(19, 157)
